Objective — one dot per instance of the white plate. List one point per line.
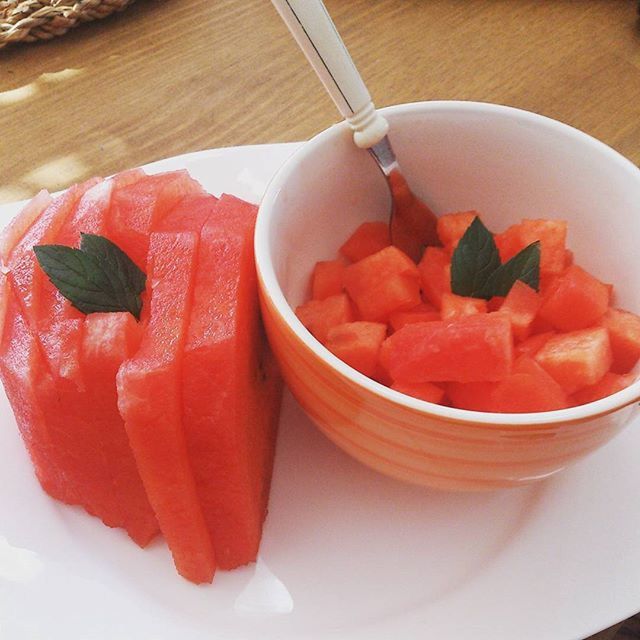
(347, 554)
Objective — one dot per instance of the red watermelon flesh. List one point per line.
(189, 214)
(28, 383)
(59, 323)
(118, 498)
(231, 387)
(25, 277)
(150, 401)
(125, 178)
(10, 237)
(137, 207)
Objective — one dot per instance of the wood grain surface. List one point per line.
(173, 76)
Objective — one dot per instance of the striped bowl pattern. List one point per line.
(418, 447)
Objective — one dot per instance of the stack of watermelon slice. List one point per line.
(164, 424)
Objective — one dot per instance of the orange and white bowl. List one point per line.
(506, 163)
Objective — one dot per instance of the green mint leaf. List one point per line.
(524, 266)
(98, 277)
(474, 260)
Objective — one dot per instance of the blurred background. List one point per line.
(167, 77)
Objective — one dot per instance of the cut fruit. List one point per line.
(138, 206)
(521, 305)
(531, 345)
(609, 384)
(327, 279)
(452, 226)
(471, 349)
(454, 306)
(367, 239)
(420, 313)
(529, 388)
(150, 401)
(190, 214)
(551, 234)
(624, 333)
(358, 344)
(576, 359)
(575, 300)
(435, 275)
(231, 387)
(321, 315)
(382, 283)
(423, 391)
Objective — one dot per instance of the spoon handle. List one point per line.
(316, 35)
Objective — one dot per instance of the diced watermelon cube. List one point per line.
(367, 239)
(470, 349)
(609, 384)
(454, 306)
(452, 226)
(435, 275)
(420, 313)
(576, 359)
(320, 315)
(327, 279)
(624, 333)
(473, 396)
(552, 235)
(382, 283)
(528, 389)
(422, 390)
(531, 345)
(358, 344)
(577, 300)
(494, 303)
(521, 305)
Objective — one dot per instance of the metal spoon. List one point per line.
(412, 223)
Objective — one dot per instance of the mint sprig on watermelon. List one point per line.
(97, 277)
(476, 270)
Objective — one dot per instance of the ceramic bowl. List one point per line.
(507, 164)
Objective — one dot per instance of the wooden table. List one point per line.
(170, 77)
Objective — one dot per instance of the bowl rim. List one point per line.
(271, 288)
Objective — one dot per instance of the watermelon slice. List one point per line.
(117, 497)
(231, 387)
(60, 324)
(26, 279)
(150, 401)
(11, 236)
(28, 383)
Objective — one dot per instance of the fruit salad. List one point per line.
(496, 322)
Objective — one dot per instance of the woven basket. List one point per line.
(29, 20)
